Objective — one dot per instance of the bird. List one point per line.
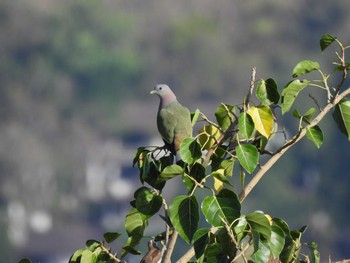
(154, 254)
(173, 119)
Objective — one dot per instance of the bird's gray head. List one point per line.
(165, 94)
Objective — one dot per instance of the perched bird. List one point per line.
(173, 119)
(154, 254)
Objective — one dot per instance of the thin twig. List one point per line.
(108, 252)
(315, 101)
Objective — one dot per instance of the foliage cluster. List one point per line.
(233, 144)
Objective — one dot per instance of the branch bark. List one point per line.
(263, 169)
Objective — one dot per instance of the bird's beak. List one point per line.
(153, 91)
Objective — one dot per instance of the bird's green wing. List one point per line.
(167, 122)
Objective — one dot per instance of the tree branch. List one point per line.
(263, 169)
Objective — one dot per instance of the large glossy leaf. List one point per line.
(248, 156)
(224, 115)
(267, 92)
(326, 40)
(200, 241)
(147, 203)
(184, 215)
(315, 135)
(258, 222)
(224, 205)
(290, 92)
(277, 241)
(170, 172)
(190, 150)
(134, 223)
(208, 136)
(341, 116)
(245, 125)
(261, 255)
(263, 119)
(304, 67)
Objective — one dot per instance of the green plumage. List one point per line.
(174, 125)
(173, 119)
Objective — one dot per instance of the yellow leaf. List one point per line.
(208, 136)
(218, 185)
(263, 119)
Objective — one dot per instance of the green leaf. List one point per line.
(224, 115)
(341, 116)
(225, 242)
(219, 175)
(170, 172)
(147, 203)
(290, 92)
(224, 205)
(240, 229)
(197, 172)
(88, 257)
(262, 255)
(258, 222)
(111, 236)
(75, 258)
(277, 241)
(215, 254)
(248, 156)
(194, 117)
(208, 136)
(304, 67)
(314, 253)
(184, 215)
(227, 165)
(326, 40)
(281, 224)
(315, 135)
(134, 223)
(307, 117)
(190, 150)
(92, 244)
(245, 125)
(152, 176)
(200, 241)
(267, 92)
(129, 246)
(263, 119)
(139, 152)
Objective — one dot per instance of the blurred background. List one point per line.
(75, 78)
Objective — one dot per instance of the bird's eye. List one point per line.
(160, 88)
